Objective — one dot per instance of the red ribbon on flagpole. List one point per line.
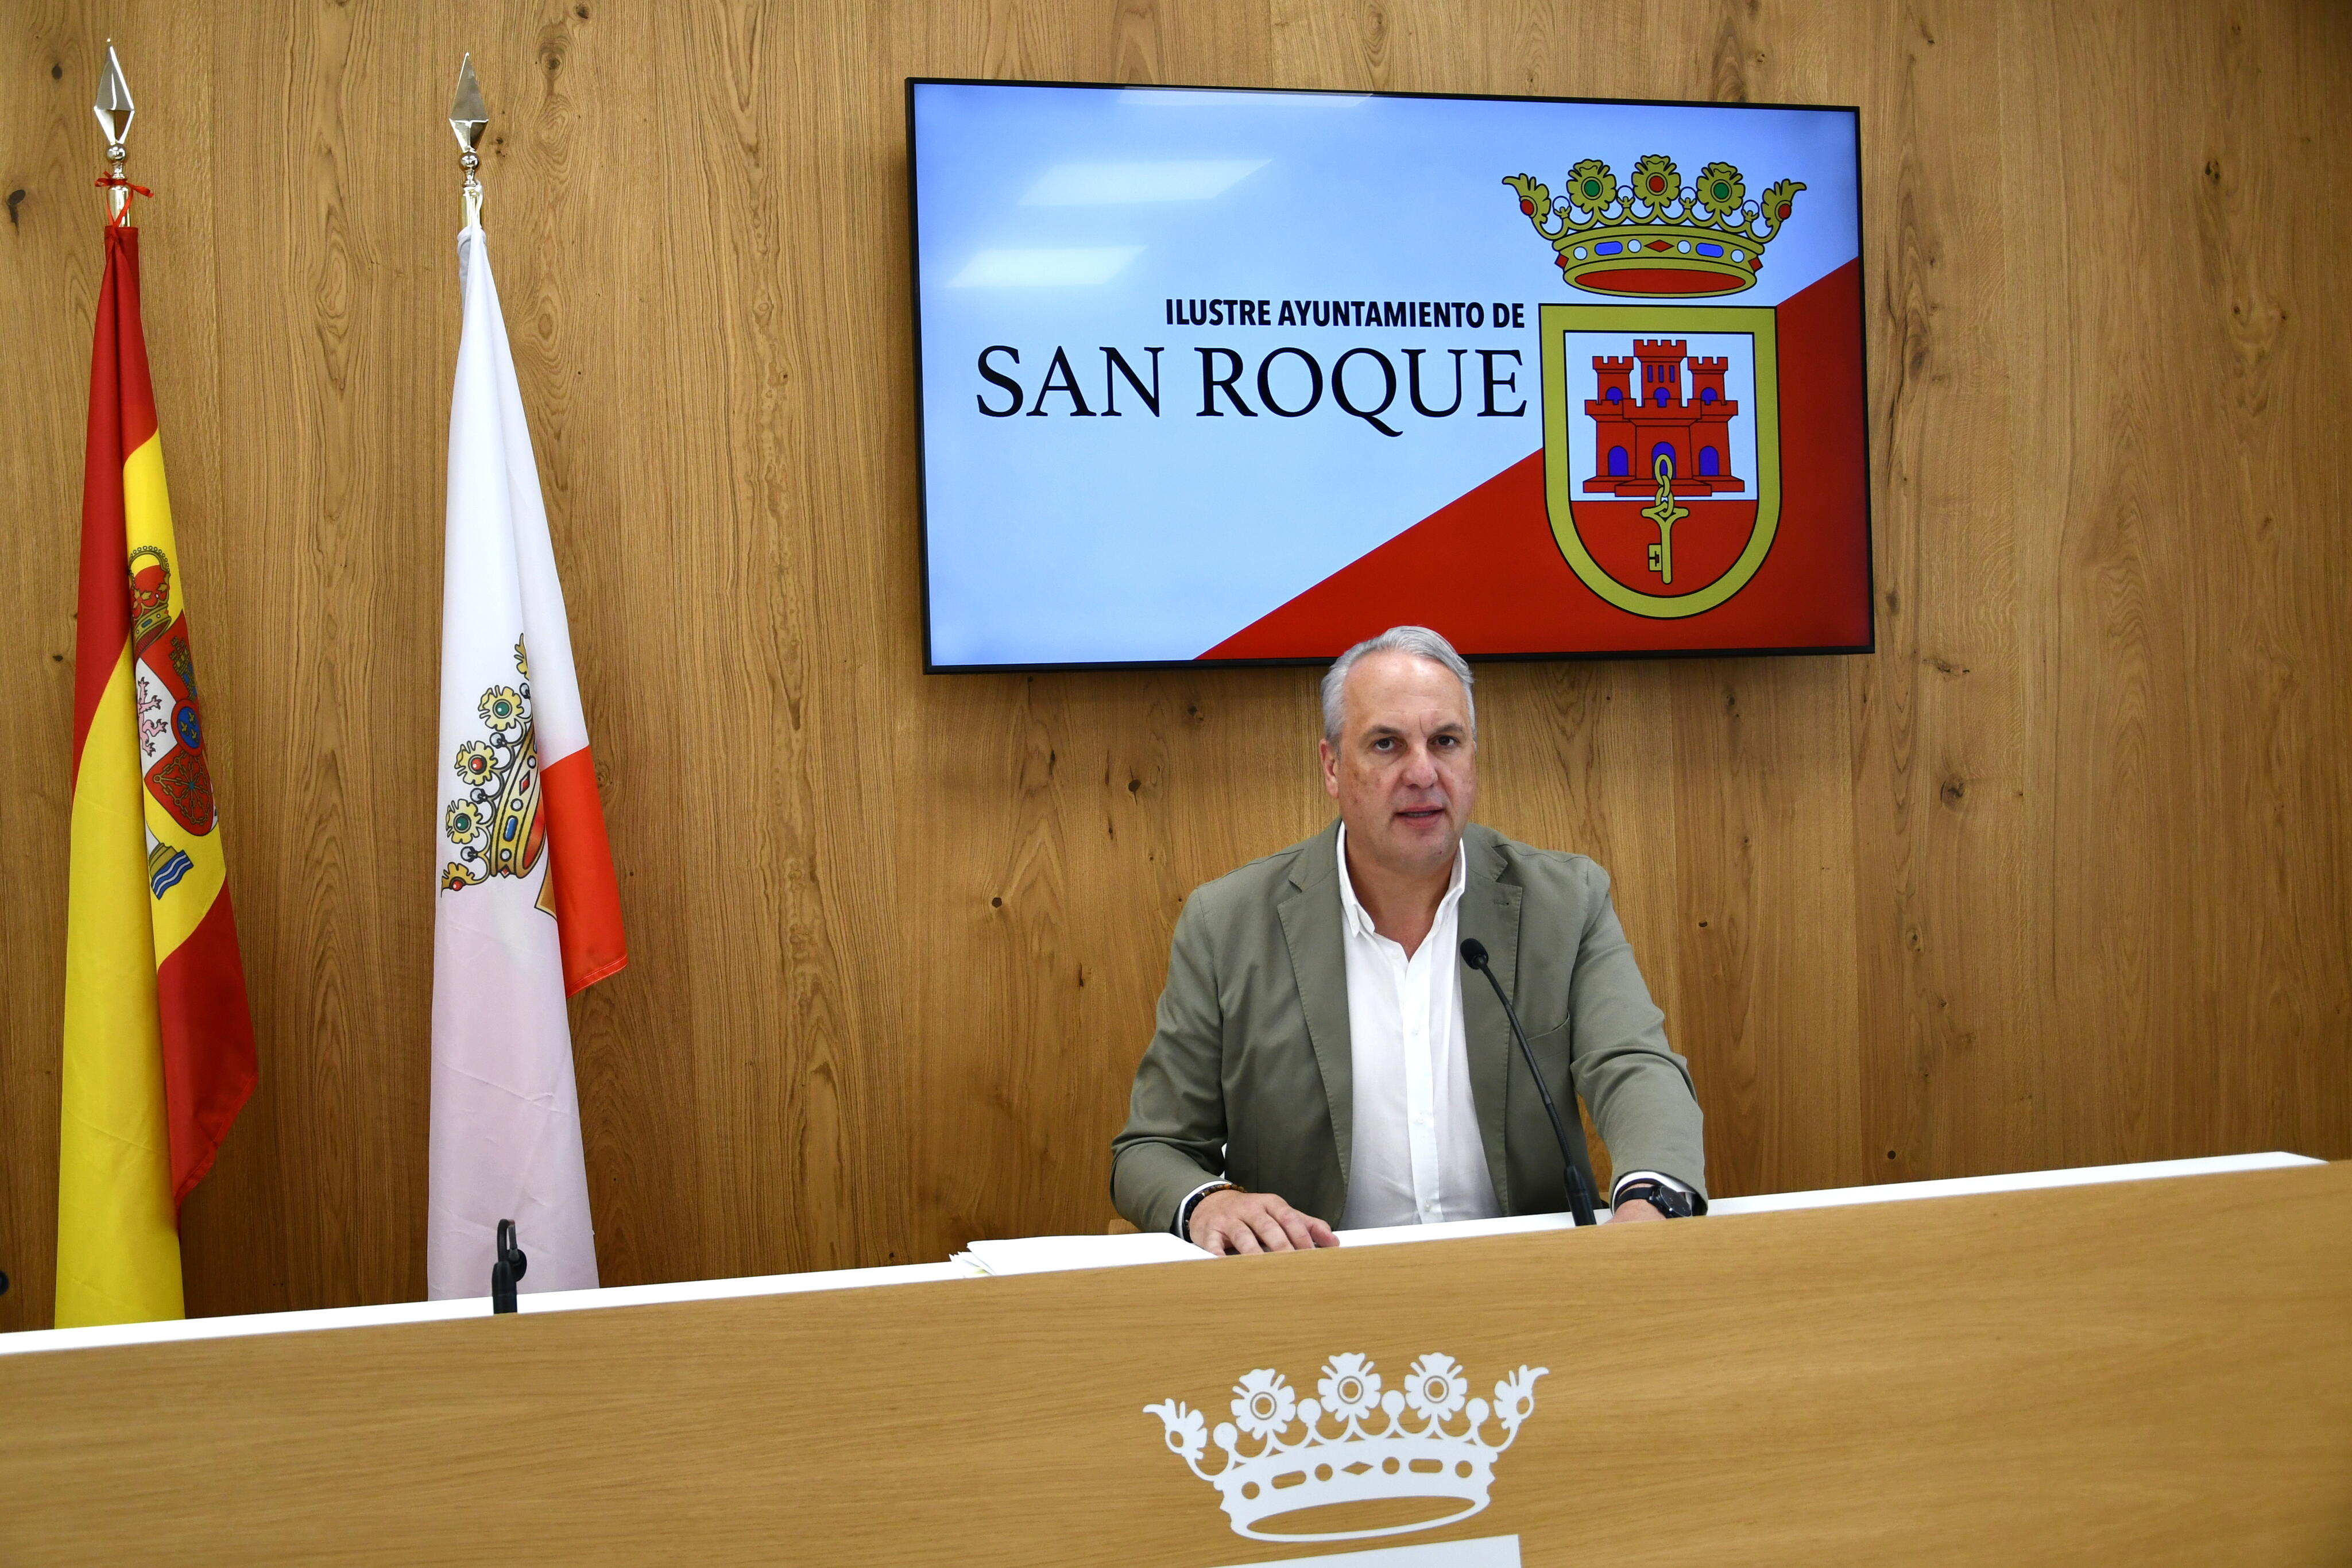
(114, 182)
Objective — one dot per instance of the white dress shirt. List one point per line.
(1416, 1157)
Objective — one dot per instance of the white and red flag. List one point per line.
(528, 911)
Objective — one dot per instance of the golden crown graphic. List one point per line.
(1652, 237)
(1355, 1443)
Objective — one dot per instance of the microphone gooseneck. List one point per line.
(1579, 1198)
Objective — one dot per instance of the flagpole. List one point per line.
(115, 111)
(466, 118)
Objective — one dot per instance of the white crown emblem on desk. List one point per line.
(1354, 1444)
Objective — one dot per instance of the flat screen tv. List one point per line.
(1210, 375)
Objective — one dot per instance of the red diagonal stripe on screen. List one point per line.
(1477, 569)
(1485, 570)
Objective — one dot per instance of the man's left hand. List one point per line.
(1634, 1209)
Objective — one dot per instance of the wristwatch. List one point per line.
(1658, 1195)
(1183, 1225)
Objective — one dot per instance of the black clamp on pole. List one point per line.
(505, 1269)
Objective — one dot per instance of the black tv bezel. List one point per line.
(922, 449)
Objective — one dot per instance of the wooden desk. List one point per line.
(2156, 1372)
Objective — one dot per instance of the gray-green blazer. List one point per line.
(1248, 1076)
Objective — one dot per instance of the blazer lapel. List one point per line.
(1310, 927)
(1489, 911)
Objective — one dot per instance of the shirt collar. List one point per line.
(1352, 914)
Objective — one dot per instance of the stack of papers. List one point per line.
(1046, 1254)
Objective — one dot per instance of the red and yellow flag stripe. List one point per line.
(158, 1053)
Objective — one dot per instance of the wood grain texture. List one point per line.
(2149, 1373)
(2062, 874)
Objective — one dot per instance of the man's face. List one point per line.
(1405, 771)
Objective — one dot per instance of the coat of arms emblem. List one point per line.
(1660, 416)
(494, 824)
(171, 726)
(1420, 1455)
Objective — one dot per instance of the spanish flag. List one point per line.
(158, 1038)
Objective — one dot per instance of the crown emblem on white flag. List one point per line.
(1355, 1443)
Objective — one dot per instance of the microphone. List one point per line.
(507, 1267)
(1579, 1200)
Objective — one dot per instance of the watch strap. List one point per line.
(1659, 1196)
(1185, 1214)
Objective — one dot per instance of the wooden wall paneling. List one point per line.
(593, 220)
(759, 1045)
(1003, 919)
(2056, 876)
(2303, 1011)
(2226, 707)
(1767, 989)
(2126, 637)
(2153, 717)
(2034, 333)
(1581, 757)
(1942, 819)
(2270, 782)
(335, 329)
(2282, 1004)
(806, 1088)
(863, 316)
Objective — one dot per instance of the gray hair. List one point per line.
(1418, 641)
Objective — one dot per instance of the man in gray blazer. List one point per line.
(1323, 1056)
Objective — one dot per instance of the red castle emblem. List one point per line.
(1635, 427)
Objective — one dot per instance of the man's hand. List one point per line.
(1231, 1220)
(1632, 1209)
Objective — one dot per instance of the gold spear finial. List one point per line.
(114, 110)
(467, 118)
